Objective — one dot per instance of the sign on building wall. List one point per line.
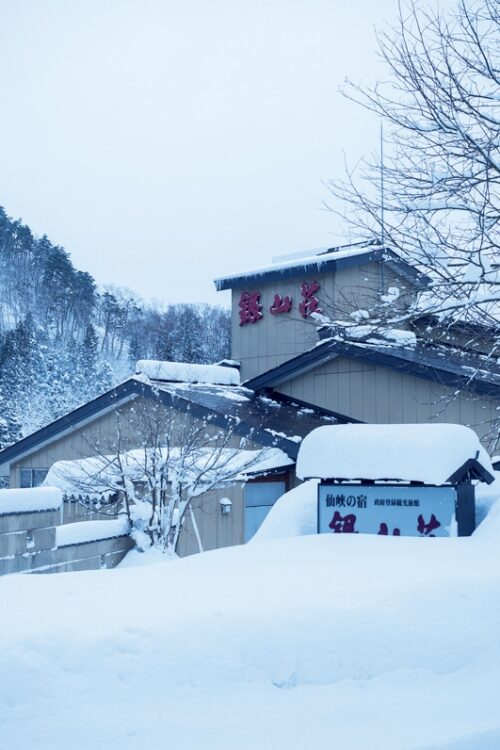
(389, 510)
(251, 309)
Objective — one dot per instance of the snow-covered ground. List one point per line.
(346, 641)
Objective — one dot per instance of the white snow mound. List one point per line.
(294, 514)
(357, 642)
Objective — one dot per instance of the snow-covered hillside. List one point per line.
(352, 642)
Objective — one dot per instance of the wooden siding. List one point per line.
(123, 427)
(216, 529)
(276, 338)
(377, 394)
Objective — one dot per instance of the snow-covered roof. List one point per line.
(99, 477)
(276, 422)
(30, 500)
(185, 372)
(322, 260)
(318, 258)
(429, 453)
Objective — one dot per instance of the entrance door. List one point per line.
(259, 499)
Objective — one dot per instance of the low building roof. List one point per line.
(325, 260)
(273, 421)
(99, 477)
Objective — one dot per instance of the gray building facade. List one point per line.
(293, 348)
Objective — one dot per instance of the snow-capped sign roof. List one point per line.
(429, 453)
(30, 500)
(185, 372)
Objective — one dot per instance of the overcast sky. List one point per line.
(163, 143)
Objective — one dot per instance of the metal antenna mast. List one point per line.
(382, 206)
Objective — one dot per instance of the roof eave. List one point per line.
(324, 264)
(78, 417)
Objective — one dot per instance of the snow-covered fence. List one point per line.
(32, 540)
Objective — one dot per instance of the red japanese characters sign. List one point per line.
(309, 302)
(386, 510)
(281, 304)
(251, 307)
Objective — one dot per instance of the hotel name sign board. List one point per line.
(390, 510)
(251, 309)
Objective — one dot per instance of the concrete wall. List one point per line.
(380, 395)
(101, 553)
(276, 338)
(28, 545)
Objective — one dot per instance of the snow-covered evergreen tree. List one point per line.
(63, 342)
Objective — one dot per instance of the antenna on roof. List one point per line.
(382, 206)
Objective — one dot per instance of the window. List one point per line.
(32, 477)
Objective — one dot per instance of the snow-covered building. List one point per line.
(208, 396)
(300, 328)
(303, 355)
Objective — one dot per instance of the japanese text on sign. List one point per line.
(386, 510)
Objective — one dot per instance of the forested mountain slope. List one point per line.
(63, 340)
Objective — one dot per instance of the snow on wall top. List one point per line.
(428, 453)
(30, 500)
(90, 531)
(185, 372)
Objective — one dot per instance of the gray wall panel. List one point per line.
(380, 395)
(276, 338)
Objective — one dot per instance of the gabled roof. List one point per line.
(329, 260)
(439, 364)
(274, 421)
(471, 469)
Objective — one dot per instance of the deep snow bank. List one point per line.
(376, 642)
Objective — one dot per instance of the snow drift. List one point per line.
(371, 642)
